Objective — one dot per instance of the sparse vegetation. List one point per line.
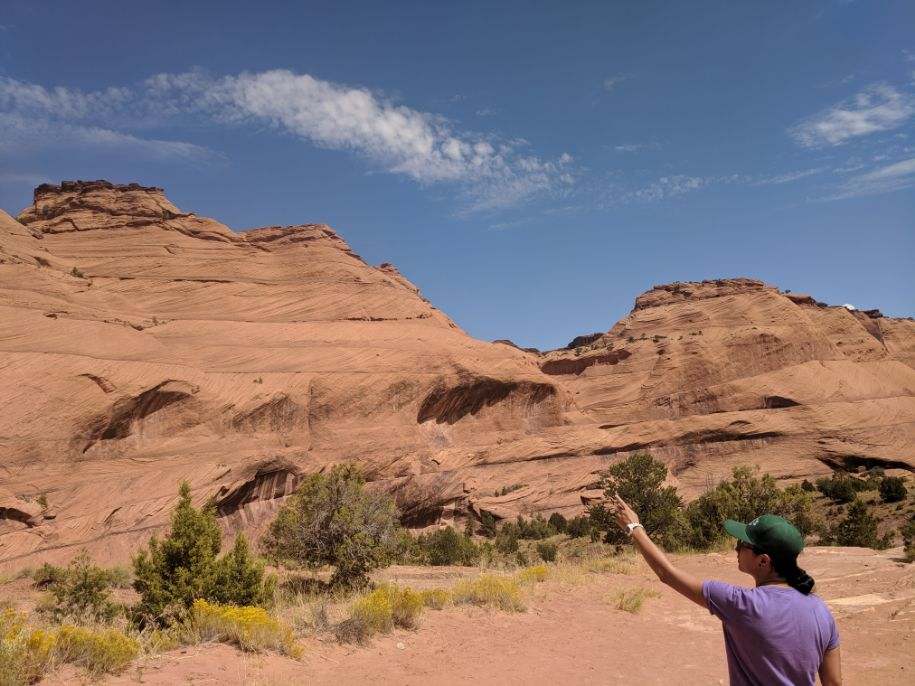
(857, 528)
(631, 600)
(77, 273)
(908, 539)
(558, 523)
(27, 653)
(333, 520)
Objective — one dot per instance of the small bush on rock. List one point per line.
(908, 540)
(857, 528)
(558, 523)
(892, 489)
(578, 527)
(840, 487)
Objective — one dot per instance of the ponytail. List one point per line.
(796, 577)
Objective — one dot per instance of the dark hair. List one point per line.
(797, 578)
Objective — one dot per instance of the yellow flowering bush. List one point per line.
(250, 628)
(26, 653)
(533, 575)
(99, 651)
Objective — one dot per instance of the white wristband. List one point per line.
(633, 527)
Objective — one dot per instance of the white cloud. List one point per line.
(420, 145)
(489, 172)
(879, 108)
(612, 82)
(893, 177)
(787, 177)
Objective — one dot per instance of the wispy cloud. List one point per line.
(490, 172)
(637, 147)
(423, 146)
(893, 177)
(612, 82)
(787, 177)
(878, 108)
(23, 134)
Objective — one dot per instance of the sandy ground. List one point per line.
(572, 634)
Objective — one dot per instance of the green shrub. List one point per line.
(488, 524)
(892, 489)
(558, 523)
(332, 520)
(806, 485)
(639, 481)
(81, 591)
(578, 527)
(535, 528)
(507, 539)
(547, 551)
(744, 497)
(447, 547)
(857, 528)
(185, 566)
(47, 575)
(840, 487)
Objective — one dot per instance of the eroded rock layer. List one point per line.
(141, 345)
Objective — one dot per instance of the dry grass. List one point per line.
(380, 611)
(632, 599)
(490, 590)
(617, 564)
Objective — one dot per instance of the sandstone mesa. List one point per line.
(141, 345)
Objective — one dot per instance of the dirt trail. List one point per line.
(572, 634)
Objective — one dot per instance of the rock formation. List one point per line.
(142, 345)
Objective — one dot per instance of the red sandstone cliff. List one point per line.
(142, 345)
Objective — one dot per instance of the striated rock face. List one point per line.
(141, 345)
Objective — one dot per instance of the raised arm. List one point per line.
(677, 579)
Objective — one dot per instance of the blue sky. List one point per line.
(532, 167)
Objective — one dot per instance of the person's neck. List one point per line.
(770, 581)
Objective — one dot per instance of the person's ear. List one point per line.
(765, 560)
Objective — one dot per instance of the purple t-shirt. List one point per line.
(772, 634)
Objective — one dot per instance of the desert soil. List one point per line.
(572, 633)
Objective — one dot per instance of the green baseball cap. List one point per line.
(770, 533)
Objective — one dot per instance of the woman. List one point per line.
(776, 633)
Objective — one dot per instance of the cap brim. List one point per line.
(738, 530)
